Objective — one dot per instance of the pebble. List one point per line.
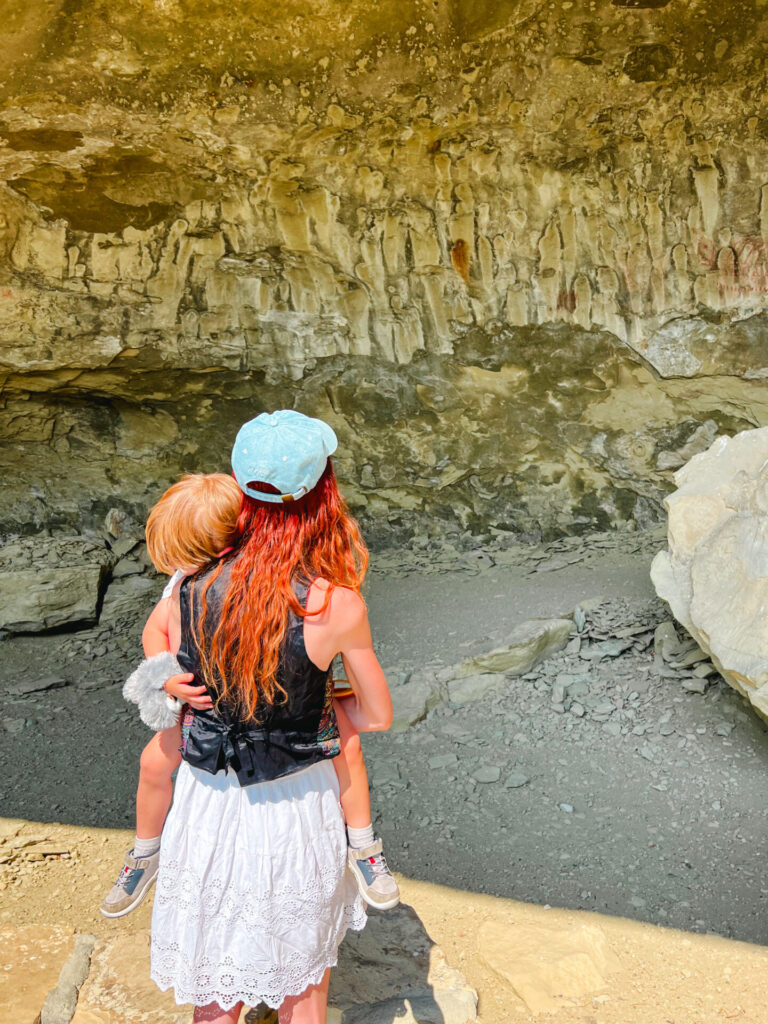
(515, 780)
(695, 684)
(567, 808)
(487, 773)
(442, 760)
(14, 725)
(704, 668)
(36, 684)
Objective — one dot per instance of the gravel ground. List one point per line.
(596, 781)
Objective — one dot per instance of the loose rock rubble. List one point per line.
(619, 785)
(23, 852)
(592, 780)
(413, 695)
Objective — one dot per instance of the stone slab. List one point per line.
(528, 643)
(41, 599)
(391, 961)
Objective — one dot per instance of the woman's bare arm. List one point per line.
(369, 709)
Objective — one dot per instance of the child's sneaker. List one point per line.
(132, 886)
(374, 879)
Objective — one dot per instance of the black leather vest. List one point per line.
(288, 736)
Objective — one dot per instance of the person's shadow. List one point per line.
(391, 973)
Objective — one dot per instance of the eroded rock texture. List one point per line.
(514, 252)
(714, 574)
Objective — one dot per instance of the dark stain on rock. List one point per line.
(82, 197)
(460, 258)
(85, 208)
(41, 140)
(648, 62)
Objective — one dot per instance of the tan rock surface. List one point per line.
(692, 979)
(31, 958)
(549, 968)
(119, 989)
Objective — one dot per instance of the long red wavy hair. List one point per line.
(313, 537)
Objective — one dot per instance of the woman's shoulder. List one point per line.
(343, 603)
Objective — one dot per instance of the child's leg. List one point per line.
(351, 773)
(374, 879)
(159, 760)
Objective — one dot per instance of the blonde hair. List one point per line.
(193, 522)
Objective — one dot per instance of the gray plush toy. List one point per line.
(157, 709)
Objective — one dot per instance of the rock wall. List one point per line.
(514, 252)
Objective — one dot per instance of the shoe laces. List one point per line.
(378, 865)
(124, 875)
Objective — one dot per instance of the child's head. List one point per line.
(193, 522)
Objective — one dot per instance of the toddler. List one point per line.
(194, 523)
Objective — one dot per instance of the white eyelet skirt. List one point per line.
(253, 894)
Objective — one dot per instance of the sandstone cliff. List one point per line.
(514, 252)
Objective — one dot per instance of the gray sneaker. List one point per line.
(132, 885)
(374, 879)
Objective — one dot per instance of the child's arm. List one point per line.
(154, 636)
(157, 686)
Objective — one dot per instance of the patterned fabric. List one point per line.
(253, 897)
(187, 718)
(328, 729)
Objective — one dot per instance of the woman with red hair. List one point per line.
(253, 896)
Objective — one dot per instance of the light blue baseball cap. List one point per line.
(285, 449)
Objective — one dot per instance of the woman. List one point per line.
(253, 898)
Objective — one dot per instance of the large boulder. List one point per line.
(714, 574)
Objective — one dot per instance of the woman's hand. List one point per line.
(196, 696)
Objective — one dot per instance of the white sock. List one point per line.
(360, 837)
(145, 847)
